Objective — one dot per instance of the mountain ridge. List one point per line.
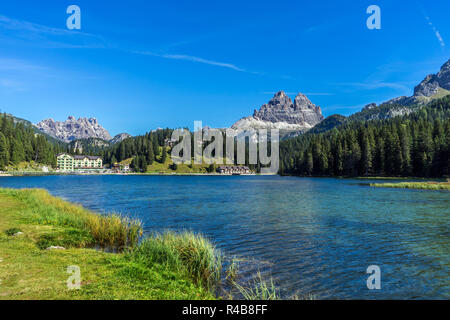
(78, 129)
(281, 113)
(434, 86)
(74, 129)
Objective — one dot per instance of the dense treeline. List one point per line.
(142, 149)
(88, 146)
(413, 145)
(19, 142)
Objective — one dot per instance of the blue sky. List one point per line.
(139, 65)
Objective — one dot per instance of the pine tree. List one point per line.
(366, 157)
(155, 146)
(17, 152)
(309, 163)
(4, 154)
(150, 158)
(164, 155)
(143, 164)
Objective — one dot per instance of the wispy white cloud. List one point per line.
(192, 59)
(51, 37)
(435, 30)
(196, 59)
(46, 36)
(305, 93)
(201, 60)
(22, 75)
(318, 93)
(8, 64)
(323, 27)
(373, 85)
(11, 84)
(345, 107)
(14, 24)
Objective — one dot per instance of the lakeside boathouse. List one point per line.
(67, 162)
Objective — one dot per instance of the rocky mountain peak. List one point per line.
(280, 101)
(369, 106)
(280, 112)
(302, 102)
(73, 129)
(432, 87)
(433, 82)
(428, 87)
(444, 76)
(119, 138)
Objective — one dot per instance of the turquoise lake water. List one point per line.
(312, 235)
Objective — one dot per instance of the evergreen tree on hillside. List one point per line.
(416, 144)
(164, 155)
(19, 142)
(147, 145)
(17, 151)
(155, 146)
(4, 153)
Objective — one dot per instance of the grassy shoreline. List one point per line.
(165, 266)
(428, 185)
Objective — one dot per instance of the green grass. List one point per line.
(232, 270)
(380, 178)
(25, 166)
(414, 185)
(110, 231)
(184, 252)
(28, 271)
(164, 266)
(441, 93)
(259, 289)
(167, 167)
(12, 231)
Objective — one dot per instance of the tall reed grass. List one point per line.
(414, 185)
(259, 289)
(107, 231)
(184, 252)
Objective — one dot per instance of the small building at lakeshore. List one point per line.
(234, 170)
(120, 168)
(67, 162)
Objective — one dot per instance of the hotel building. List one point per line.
(67, 162)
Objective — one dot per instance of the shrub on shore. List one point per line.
(183, 252)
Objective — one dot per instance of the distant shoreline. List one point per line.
(38, 174)
(26, 174)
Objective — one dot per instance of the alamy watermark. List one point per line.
(374, 280)
(74, 281)
(74, 20)
(241, 147)
(374, 20)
